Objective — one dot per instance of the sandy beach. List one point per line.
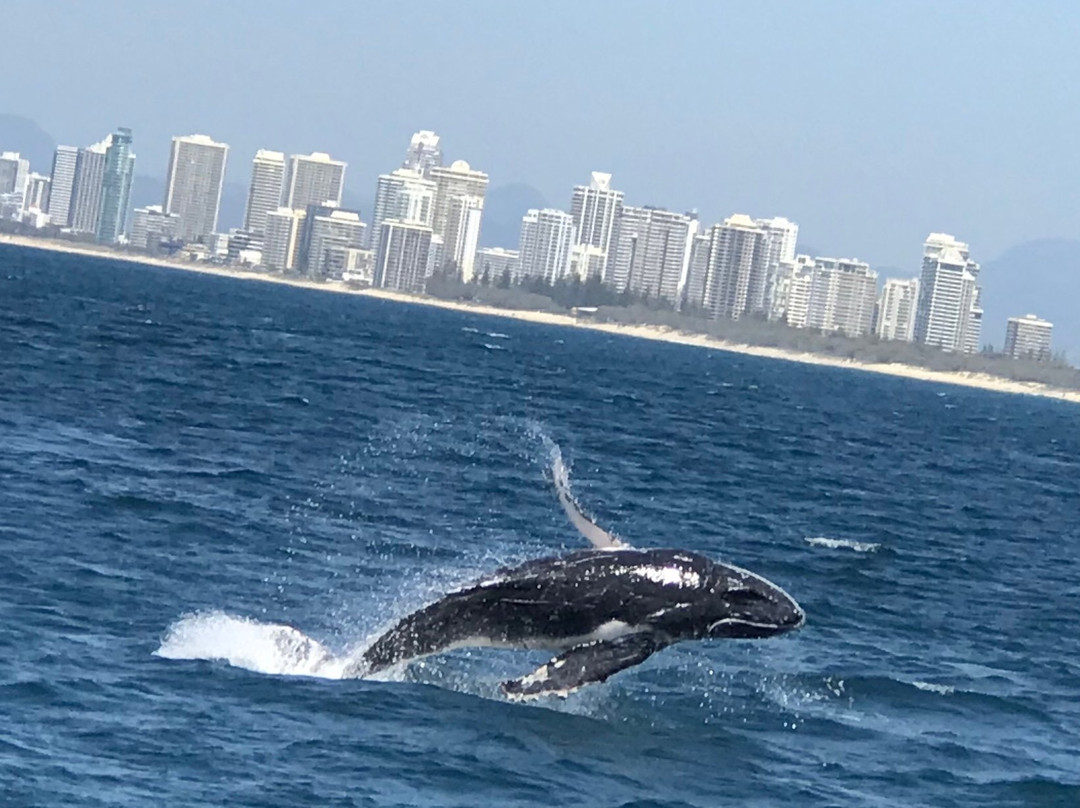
(977, 380)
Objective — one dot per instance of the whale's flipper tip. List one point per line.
(596, 535)
(582, 665)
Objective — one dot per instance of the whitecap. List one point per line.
(943, 690)
(846, 544)
(497, 335)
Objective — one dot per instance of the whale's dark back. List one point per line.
(544, 602)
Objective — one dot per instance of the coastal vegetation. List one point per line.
(572, 295)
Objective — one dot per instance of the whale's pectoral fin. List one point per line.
(582, 665)
(596, 535)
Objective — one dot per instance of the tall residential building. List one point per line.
(737, 262)
(403, 194)
(314, 179)
(799, 282)
(652, 252)
(948, 315)
(494, 263)
(1028, 337)
(116, 187)
(842, 296)
(595, 208)
(36, 196)
(14, 172)
(401, 262)
(282, 238)
(463, 234)
(62, 187)
(778, 246)
(89, 176)
(697, 271)
(451, 182)
(895, 313)
(326, 232)
(150, 226)
(264, 193)
(193, 185)
(544, 247)
(424, 152)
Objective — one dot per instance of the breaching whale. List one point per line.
(602, 610)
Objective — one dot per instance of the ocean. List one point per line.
(198, 475)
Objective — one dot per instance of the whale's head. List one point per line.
(742, 605)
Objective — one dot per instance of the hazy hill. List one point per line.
(1037, 277)
(22, 135)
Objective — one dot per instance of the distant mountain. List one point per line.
(503, 208)
(1038, 277)
(22, 135)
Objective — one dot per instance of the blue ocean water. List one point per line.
(190, 463)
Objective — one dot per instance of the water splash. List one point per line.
(843, 544)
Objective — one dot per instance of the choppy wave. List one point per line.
(842, 544)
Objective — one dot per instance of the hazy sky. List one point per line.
(868, 123)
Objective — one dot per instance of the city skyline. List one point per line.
(860, 129)
(741, 266)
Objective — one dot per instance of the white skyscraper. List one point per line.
(193, 184)
(424, 152)
(89, 177)
(948, 315)
(401, 262)
(14, 173)
(1028, 337)
(652, 253)
(36, 196)
(842, 296)
(697, 271)
(737, 261)
(282, 238)
(62, 188)
(463, 233)
(544, 248)
(798, 285)
(314, 179)
(267, 186)
(453, 181)
(595, 208)
(895, 315)
(778, 247)
(403, 194)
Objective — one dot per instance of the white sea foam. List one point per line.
(943, 690)
(497, 335)
(842, 544)
(245, 643)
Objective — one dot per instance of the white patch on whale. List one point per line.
(668, 576)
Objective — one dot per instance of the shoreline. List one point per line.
(659, 333)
